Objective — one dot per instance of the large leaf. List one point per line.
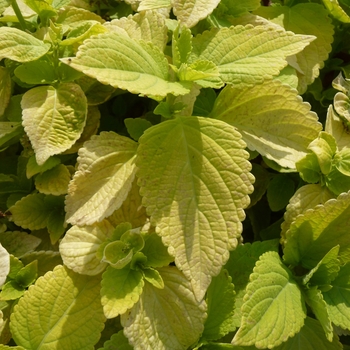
(62, 310)
(53, 118)
(80, 245)
(273, 308)
(310, 19)
(190, 12)
(20, 46)
(247, 54)
(194, 178)
(169, 318)
(272, 119)
(116, 59)
(312, 235)
(104, 177)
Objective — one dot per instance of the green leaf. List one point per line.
(127, 64)
(179, 162)
(162, 318)
(156, 252)
(341, 161)
(273, 308)
(34, 168)
(338, 298)
(136, 127)
(53, 118)
(118, 254)
(310, 19)
(153, 276)
(204, 102)
(153, 4)
(27, 275)
(336, 10)
(238, 8)
(4, 264)
(11, 290)
(47, 260)
(272, 119)
(20, 46)
(337, 182)
(61, 310)
(312, 235)
(309, 168)
(53, 181)
(73, 16)
(117, 341)
(279, 191)
(181, 45)
(247, 62)
(18, 243)
(121, 289)
(42, 7)
(221, 302)
(104, 177)
(5, 89)
(10, 132)
(80, 245)
(190, 12)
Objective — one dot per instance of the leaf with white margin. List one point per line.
(62, 310)
(120, 290)
(312, 235)
(169, 318)
(310, 19)
(310, 337)
(114, 58)
(20, 46)
(306, 197)
(190, 12)
(106, 171)
(273, 309)
(272, 119)
(148, 26)
(19, 243)
(53, 118)
(194, 178)
(247, 55)
(79, 246)
(338, 298)
(5, 89)
(4, 264)
(336, 10)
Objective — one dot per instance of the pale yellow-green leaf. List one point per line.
(336, 10)
(79, 246)
(53, 118)
(190, 12)
(4, 264)
(154, 4)
(72, 16)
(5, 89)
(272, 119)
(20, 46)
(114, 58)
(104, 177)
(247, 54)
(169, 318)
(194, 178)
(61, 311)
(54, 181)
(148, 26)
(336, 127)
(305, 19)
(306, 197)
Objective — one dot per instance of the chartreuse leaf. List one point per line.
(73, 16)
(53, 118)
(153, 276)
(191, 12)
(153, 4)
(62, 310)
(42, 7)
(104, 177)
(136, 127)
(117, 254)
(194, 178)
(312, 235)
(309, 168)
(18, 243)
(34, 168)
(156, 252)
(127, 64)
(306, 18)
(18, 45)
(238, 8)
(121, 289)
(310, 337)
(4, 264)
(117, 341)
(79, 246)
(272, 119)
(247, 62)
(53, 181)
(273, 308)
(148, 26)
(5, 89)
(221, 302)
(162, 318)
(338, 298)
(336, 10)
(181, 45)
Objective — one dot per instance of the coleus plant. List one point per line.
(127, 232)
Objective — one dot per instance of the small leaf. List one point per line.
(118, 254)
(341, 161)
(336, 10)
(156, 252)
(18, 243)
(53, 118)
(152, 276)
(27, 275)
(181, 45)
(273, 308)
(117, 341)
(136, 127)
(11, 290)
(309, 168)
(104, 177)
(34, 168)
(61, 310)
(120, 290)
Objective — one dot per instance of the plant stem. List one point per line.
(18, 13)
